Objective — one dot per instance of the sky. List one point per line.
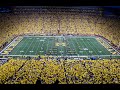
(107, 9)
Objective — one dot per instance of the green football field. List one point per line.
(59, 46)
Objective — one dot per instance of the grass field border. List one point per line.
(78, 56)
(109, 45)
(9, 44)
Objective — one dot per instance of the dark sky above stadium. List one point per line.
(108, 10)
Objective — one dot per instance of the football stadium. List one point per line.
(59, 45)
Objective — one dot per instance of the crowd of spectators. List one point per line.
(18, 71)
(12, 25)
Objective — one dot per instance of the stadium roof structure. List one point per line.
(112, 10)
(107, 10)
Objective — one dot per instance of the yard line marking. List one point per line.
(74, 46)
(101, 47)
(25, 44)
(92, 47)
(82, 45)
(34, 45)
(69, 42)
(61, 48)
(47, 45)
(85, 46)
(21, 51)
(42, 45)
(31, 51)
(90, 51)
(41, 51)
(37, 47)
(19, 48)
(42, 40)
(98, 44)
(29, 46)
(100, 51)
(66, 46)
(52, 45)
(22, 45)
(75, 39)
(107, 44)
(79, 46)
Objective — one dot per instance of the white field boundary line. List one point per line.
(9, 45)
(61, 56)
(109, 45)
(64, 36)
(43, 36)
(53, 55)
(2, 59)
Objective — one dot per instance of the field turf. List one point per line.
(59, 46)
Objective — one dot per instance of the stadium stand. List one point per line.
(66, 72)
(21, 24)
(49, 71)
